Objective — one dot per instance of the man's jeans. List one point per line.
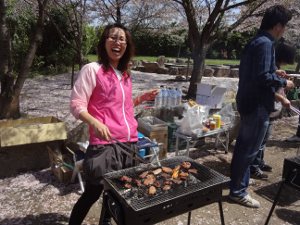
(259, 159)
(252, 131)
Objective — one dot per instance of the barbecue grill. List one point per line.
(290, 176)
(127, 208)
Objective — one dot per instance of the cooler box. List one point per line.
(157, 129)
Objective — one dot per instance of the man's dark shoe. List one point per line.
(258, 174)
(106, 220)
(294, 138)
(107, 223)
(266, 167)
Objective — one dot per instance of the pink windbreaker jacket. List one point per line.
(106, 98)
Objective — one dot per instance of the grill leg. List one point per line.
(275, 202)
(189, 218)
(104, 208)
(221, 212)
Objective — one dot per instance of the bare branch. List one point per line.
(241, 4)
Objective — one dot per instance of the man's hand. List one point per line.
(289, 84)
(286, 103)
(281, 73)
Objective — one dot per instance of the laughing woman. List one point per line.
(102, 98)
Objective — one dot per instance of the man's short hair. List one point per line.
(285, 53)
(274, 15)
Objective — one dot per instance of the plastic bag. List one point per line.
(191, 123)
(228, 114)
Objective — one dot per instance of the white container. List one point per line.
(210, 95)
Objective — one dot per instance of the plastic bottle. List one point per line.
(158, 102)
(178, 96)
(164, 97)
(171, 97)
(167, 97)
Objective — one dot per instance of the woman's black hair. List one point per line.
(274, 15)
(284, 53)
(128, 54)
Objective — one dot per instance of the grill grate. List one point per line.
(204, 179)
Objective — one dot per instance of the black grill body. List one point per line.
(205, 189)
(290, 176)
(291, 171)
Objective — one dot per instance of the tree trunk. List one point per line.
(298, 67)
(73, 74)
(198, 69)
(9, 98)
(10, 107)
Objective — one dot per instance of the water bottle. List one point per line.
(169, 98)
(179, 96)
(158, 102)
(173, 97)
(179, 99)
(164, 97)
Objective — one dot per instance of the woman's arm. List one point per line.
(147, 96)
(101, 130)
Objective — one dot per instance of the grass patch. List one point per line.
(93, 58)
(221, 62)
(146, 58)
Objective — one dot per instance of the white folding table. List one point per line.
(191, 140)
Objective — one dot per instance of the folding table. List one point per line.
(191, 140)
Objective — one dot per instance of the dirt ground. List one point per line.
(37, 198)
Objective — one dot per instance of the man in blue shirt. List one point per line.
(284, 54)
(255, 99)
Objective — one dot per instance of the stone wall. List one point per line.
(183, 68)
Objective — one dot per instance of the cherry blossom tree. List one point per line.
(292, 34)
(206, 18)
(134, 13)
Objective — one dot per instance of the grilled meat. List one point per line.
(144, 174)
(157, 184)
(186, 165)
(166, 175)
(177, 181)
(152, 190)
(168, 182)
(126, 179)
(149, 180)
(183, 174)
(128, 185)
(157, 171)
(194, 171)
(138, 182)
(166, 169)
(161, 178)
(166, 187)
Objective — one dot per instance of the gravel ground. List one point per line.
(36, 198)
